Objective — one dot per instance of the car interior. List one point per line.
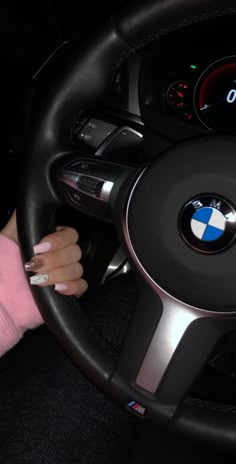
(120, 120)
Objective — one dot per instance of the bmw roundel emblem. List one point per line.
(208, 224)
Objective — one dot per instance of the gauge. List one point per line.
(215, 96)
(179, 95)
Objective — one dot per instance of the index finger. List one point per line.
(57, 240)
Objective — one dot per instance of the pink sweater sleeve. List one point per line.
(18, 311)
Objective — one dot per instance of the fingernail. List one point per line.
(42, 247)
(59, 228)
(60, 287)
(39, 279)
(34, 264)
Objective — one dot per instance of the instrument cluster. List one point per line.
(191, 77)
(211, 97)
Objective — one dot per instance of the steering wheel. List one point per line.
(187, 297)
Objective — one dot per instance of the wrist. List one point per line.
(10, 229)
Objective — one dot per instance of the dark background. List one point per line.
(29, 32)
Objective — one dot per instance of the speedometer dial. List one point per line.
(215, 96)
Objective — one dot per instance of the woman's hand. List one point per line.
(56, 262)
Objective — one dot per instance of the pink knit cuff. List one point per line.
(18, 310)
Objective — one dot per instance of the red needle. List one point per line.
(180, 94)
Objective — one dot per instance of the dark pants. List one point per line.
(49, 413)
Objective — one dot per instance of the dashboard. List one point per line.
(184, 84)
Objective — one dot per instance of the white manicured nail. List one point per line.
(60, 287)
(42, 247)
(39, 279)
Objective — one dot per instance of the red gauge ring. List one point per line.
(215, 96)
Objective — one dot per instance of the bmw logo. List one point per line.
(208, 224)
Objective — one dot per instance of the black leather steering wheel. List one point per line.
(187, 299)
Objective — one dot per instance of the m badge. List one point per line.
(136, 408)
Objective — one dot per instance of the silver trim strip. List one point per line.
(176, 318)
(134, 67)
(72, 179)
(69, 178)
(119, 259)
(106, 191)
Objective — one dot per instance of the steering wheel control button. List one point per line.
(95, 132)
(76, 199)
(208, 224)
(88, 185)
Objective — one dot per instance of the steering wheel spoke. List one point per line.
(167, 345)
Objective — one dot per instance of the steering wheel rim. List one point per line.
(77, 87)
